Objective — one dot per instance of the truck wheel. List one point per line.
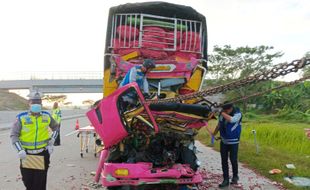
(188, 157)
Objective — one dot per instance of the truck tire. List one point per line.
(189, 157)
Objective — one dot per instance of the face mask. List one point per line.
(35, 108)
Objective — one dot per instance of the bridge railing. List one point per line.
(48, 75)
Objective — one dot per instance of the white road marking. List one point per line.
(71, 133)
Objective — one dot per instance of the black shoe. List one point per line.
(225, 183)
(57, 144)
(234, 180)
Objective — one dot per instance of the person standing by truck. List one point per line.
(33, 143)
(56, 114)
(229, 126)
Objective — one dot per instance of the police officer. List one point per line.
(229, 126)
(34, 144)
(56, 114)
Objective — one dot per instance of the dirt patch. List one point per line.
(11, 101)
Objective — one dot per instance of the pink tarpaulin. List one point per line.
(187, 55)
(153, 54)
(127, 32)
(121, 43)
(154, 31)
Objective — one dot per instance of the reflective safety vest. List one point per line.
(230, 132)
(34, 133)
(56, 114)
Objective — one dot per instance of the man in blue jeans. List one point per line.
(229, 126)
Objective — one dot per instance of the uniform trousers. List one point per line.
(232, 151)
(36, 179)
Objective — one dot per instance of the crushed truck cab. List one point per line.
(121, 126)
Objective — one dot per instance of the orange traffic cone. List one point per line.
(77, 125)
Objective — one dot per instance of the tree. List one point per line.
(294, 98)
(88, 102)
(306, 70)
(55, 98)
(67, 103)
(227, 64)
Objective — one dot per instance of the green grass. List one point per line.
(280, 143)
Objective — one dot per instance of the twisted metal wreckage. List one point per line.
(152, 142)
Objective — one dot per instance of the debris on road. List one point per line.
(70, 165)
(290, 166)
(93, 173)
(299, 181)
(275, 171)
(94, 185)
(212, 173)
(211, 180)
(280, 185)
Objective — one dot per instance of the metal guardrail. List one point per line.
(47, 75)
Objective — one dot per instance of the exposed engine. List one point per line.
(163, 149)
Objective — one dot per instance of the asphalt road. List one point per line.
(69, 171)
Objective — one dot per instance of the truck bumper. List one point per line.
(119, 174)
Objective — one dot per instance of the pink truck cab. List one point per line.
(116, 124)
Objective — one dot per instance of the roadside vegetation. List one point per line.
(278, 118)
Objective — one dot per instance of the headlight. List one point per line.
(121, 172)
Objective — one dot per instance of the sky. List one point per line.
(69, 35)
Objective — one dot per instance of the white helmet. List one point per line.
(35, 95)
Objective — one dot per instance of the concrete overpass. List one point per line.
(60, 82)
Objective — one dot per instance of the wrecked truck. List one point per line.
(150, 145)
